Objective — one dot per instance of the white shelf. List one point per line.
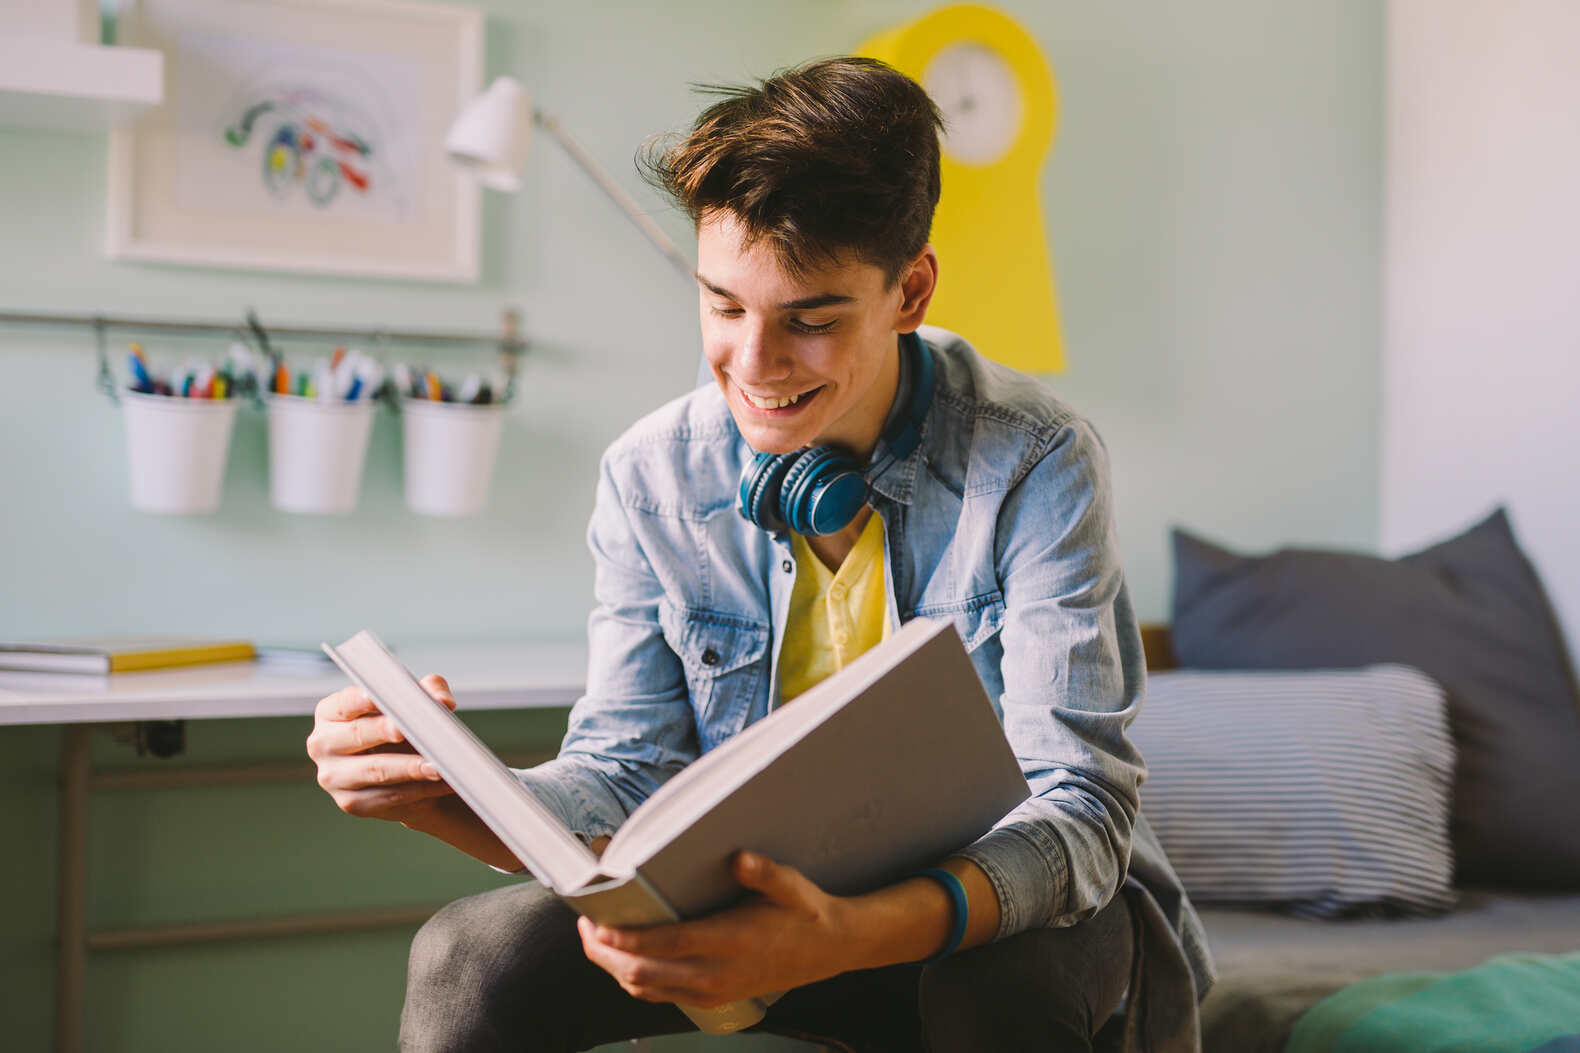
(497, 676)
(67, 86)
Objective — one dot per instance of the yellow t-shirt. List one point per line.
(834, 617)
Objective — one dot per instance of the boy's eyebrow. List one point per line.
(806, 303)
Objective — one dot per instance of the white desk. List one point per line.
(496, 676)
(493, 676)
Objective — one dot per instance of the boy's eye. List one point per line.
(795, 324)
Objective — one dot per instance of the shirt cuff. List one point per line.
(1028, 871)
(576, 794)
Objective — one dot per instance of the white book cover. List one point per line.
(882, 769)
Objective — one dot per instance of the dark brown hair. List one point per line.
(832, 157)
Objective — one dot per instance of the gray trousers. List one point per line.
(505, 971)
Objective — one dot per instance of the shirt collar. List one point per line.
(896, 479)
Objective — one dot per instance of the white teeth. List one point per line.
(771, 403)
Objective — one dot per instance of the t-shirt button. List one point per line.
(787, 566)
(842, 638)
(836, 592)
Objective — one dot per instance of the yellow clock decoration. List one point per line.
(1000, 109)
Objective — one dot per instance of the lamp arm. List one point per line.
(652, 231)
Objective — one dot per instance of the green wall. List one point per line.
(1213, 206)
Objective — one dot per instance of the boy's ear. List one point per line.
(917, 284)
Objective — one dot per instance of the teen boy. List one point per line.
(988, 502)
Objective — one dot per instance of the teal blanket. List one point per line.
(1513, 1003)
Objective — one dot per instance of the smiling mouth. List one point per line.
(773, 403)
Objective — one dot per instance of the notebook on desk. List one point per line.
(119, 654)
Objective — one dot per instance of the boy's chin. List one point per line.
(769, 440)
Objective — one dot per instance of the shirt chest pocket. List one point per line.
(977, 619)
(724, 659)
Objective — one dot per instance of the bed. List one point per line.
(1272, 968)
(1407, 825)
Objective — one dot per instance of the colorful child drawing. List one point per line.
(305, 147)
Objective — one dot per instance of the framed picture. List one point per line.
(300, 135)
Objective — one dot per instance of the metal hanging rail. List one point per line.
(508, 341)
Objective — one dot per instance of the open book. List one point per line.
(883, 768)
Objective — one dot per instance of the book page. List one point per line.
(902, 761)
(712, 777)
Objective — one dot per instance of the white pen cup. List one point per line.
(316, 452)
(176, 451)
(449, 453)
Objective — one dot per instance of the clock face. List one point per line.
(980, 99)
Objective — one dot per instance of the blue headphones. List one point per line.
(819, 490)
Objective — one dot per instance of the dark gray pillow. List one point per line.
(1470, 613)
(1323, 792)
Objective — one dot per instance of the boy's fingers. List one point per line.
(346, 704)
(378, 769)
(439, 688)
(342, 737)
(376, 802)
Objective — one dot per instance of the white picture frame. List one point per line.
(300, 135)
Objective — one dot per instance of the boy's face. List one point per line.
(827, 340)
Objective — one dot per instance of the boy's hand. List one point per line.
(364, 762)
(791, 933)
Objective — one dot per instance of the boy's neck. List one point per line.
(874, 410)
(831, 549)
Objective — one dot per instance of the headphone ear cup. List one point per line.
(792, 483)
(822, 492)
(760, 486)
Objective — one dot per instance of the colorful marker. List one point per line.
(241, 369)
(323, 383)
(141, 381)
(369, 377)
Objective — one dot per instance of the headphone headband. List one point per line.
(917, 377)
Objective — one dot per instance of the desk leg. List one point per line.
(71, 955)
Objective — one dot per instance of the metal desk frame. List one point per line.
(506, 676)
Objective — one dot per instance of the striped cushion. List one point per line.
(1323, 792)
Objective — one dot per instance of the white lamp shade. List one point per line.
(490, 136)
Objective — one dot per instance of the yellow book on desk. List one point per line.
(120, 655)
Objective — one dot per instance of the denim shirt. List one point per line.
(1000, 521)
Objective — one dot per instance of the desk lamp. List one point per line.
(490, 138)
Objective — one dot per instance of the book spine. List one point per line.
(131, 662)
(41, 662)
(634, 903)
